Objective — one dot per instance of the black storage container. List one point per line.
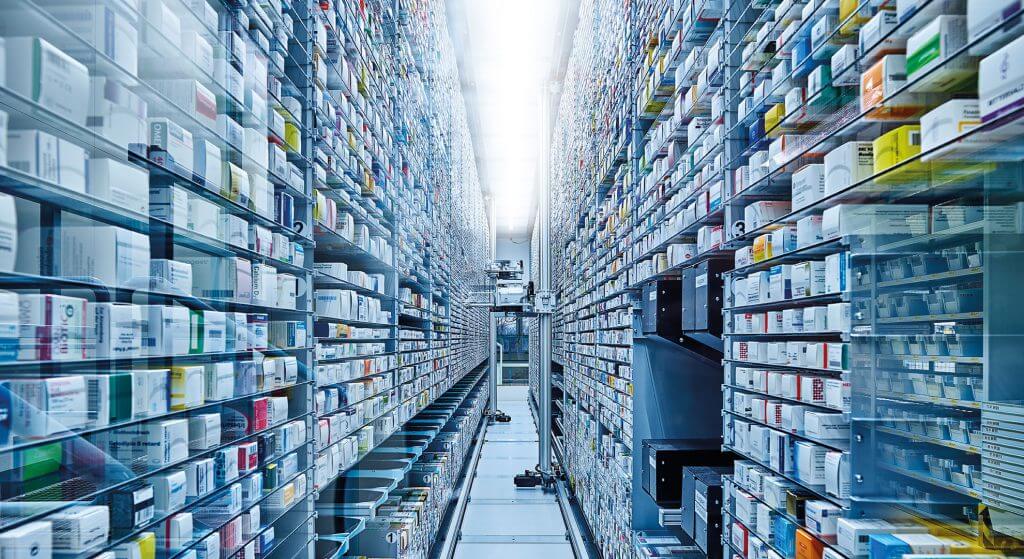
(689, 300)
(708, 287)
(690, 475)
(664, 460)
(661, 308)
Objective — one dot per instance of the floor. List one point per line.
(503, 522)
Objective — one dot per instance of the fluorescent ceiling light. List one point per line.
(510, 57)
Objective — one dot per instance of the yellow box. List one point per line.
(848, 8)
(774, 116)
(762, 247)
(895, 147)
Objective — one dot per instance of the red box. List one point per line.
(248, 457)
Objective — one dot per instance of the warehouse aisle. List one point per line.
(502, 522)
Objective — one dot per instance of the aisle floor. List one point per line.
(501, 521)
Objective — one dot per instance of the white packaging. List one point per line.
(124, 262)
(204, 431)
(946, 123)
(8, 228)
(166, 330)
(56, 81)
(983, 19)
(809, 460)
(30, 541)
(170, 204)
(826, 426)
(189, 96)
(114, 330)
(839, 317)
(124, 185)
(808, 186)
(219, 380)
(852, 534)
(203, 216)
(170, 276)
(875, 219)
(81, 528)
(51, 159)
(837, 394)
(759, 214)
(42, 407)
(149, 391)
(808, 231)
(820, 518)
(198, 49)
(808, 279)
(847, 165)
(117, 113)
(175, 145)
(51, 327)
(166, 441)
(287, 287)
(207, 163)
(169, 491)
(837, 272)
(837, 474)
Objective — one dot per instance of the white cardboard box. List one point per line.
(848, 164)
(42, 407)
(125, 262)
(166, 330)
(51, 327)
(114, 330)
(57, 83)
(124, 185)
(808, 185)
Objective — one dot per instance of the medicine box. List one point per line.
(808, 186)
(878, 91)
(51, 159)
(56, 82)
(173, 145)
(165, 330)
(114, 330)
(30, 541)
(166, 441)
(51, 327)
(852, 534)
(42, 407)
(124, 185)
(170, 276)
(931, 66)
(187, 387)
(125, 262)
(117, 113)
(81, 528)
(204, 431)
(847, 165)
(106, 29)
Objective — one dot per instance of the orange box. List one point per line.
(807, 547)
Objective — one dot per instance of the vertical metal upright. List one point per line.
(545, 299)
(492, 319)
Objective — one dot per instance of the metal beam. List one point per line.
(544, 287)
(492, 320)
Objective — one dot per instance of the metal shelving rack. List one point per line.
(921, 369)
(74, 464)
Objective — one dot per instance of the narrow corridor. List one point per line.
(501, 521)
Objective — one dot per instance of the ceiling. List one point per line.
(508, 51)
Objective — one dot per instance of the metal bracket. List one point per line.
(544, 302)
